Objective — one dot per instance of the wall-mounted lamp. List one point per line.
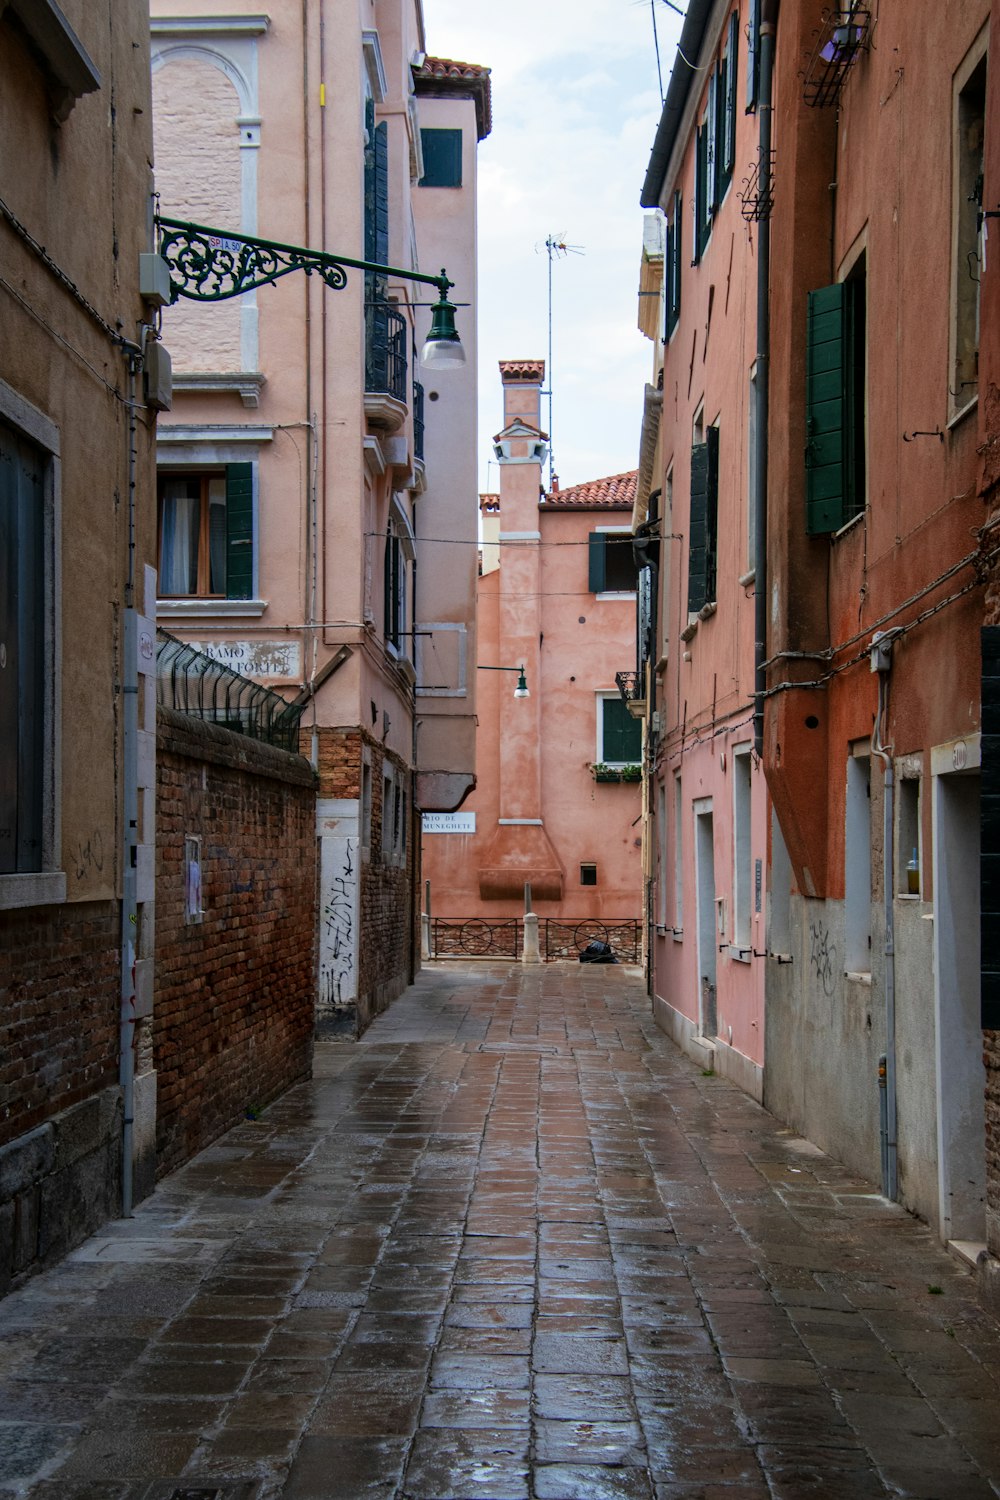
(521, 691)
(210, 265)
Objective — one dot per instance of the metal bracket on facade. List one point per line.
(210, 265)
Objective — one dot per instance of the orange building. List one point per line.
(558, 796)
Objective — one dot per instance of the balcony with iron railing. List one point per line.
(386, 339)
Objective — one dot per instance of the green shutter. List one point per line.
(239, 531)
(621, 734)
(712, 129)
(382, 193)
(376, 249)
(753, 55)
(596, 557)
(697, 528)
(673, 266)
(826, 410)
(698, 211)
(442, 153)
(729, 135)
(712, 514)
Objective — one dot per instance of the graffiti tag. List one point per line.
(822, 956)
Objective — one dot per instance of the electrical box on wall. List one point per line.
(154, 280)
(158, 376)
(881, 650)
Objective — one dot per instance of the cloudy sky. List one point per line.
(576, 102)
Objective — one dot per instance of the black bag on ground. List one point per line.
(598, 953)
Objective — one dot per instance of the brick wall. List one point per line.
(60, 1112)
(58, 1009)
(235, 992)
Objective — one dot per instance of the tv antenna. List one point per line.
(555, 248)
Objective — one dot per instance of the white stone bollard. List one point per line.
(425, 936)
(531, 954)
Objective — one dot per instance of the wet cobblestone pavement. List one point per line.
(510, 1246)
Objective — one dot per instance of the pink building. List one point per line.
(708, 799)
(558, 790)
(310, 465)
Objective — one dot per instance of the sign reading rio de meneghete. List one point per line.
(456, 822)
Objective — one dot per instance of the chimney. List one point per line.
(522, 389)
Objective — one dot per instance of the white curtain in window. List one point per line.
(179, 546)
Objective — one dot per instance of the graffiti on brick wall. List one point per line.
(338, 936)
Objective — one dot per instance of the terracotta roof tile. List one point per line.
(489, 502)
(616, 492)
(447, 67)
(444, 78)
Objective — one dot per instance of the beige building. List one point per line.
(77, 1095)
(311, 477)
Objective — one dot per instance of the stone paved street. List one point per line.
(512, 1244)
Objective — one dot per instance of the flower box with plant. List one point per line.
(603, 772)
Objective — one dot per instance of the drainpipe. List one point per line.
(881, 662)
(414, 815)
(768, 27)
(130, 807)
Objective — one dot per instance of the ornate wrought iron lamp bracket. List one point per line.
(210, 265)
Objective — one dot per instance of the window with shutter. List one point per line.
(704, 522)
(969, 230)
(700, 214)
(611, 563)
(753, 56)
(727, 146)
(376, 249)
(442, 153)
(620, 735)
(22, 652)
(712, 144)
(835, 404)
(206, 532)
(673, 266)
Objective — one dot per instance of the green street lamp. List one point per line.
(211, 265)
(521, 691)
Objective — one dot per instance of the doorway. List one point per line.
(961, 1083)
(704, 854)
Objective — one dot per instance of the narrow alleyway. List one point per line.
(512, 1244)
